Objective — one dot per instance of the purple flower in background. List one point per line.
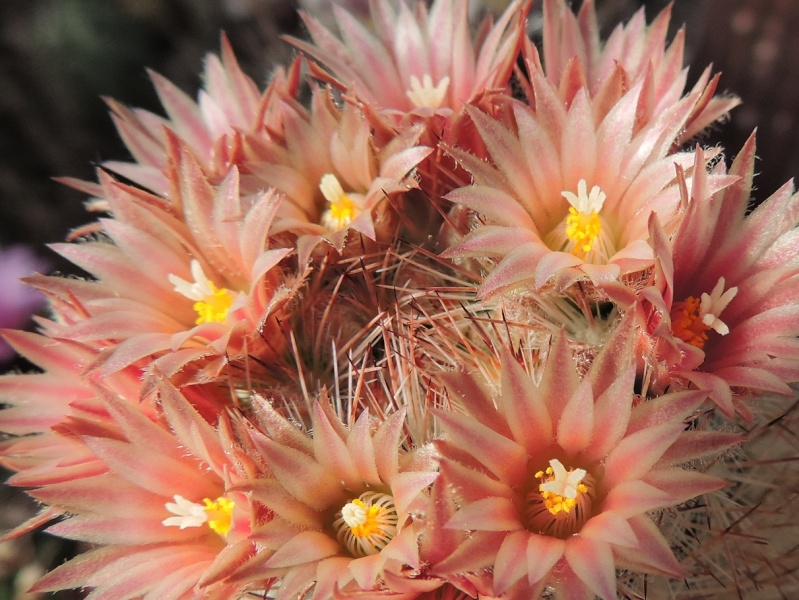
(17, 300)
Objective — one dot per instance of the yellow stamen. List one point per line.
(559, 488)
(220, 514)
(692, 318)
(214, 307)
(687, 324)
(211, 303)
(582, 229)
(342, 209)
(583, 225)
(583, 232)
(367, 523)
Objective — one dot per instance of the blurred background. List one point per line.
(59, 57)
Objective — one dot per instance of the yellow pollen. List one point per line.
(210, 302)
(582, 229)
(560, 489)
(687, 324)
(220, 514)
(342, 209)
(214, 307)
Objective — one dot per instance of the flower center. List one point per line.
(342, 209)
(582, 229)
(686, 323)
(214, 307)
(561, 502)
(583, 232)
(367, 523)
(217, 514)
(692, 318)
(424, 94)
(212, 303)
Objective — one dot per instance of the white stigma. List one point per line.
(199, 289)
(353, 514)
(424, 94)
(188, 513)
(712, 305)
(331, 188)
(563, 483)
(584, 202)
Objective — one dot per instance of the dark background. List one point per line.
(58, 57)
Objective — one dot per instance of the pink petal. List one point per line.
(405, 487)
(559, 381)
(304, 478)
(592, 561)
(473, 553)
(637, 453)
(387, 444)
(611, 411)
(470, 393)
(579, 133)
(511, 563)
(542, 554)
(674, 408)
(523, 406)
(332, 453)
(305, 547)
(635, 497)
(653, 554)
(362, 450)
(609, 527)
(683, 484)
(576, 425)
(488, 514)
(698, 444)
(502, 456)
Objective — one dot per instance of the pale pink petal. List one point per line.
(511, 563)
(682, 484)
(542, 554)
(488, 514)
(576, 424)
(524, 406)
(637, 453)
(653, 553)
(301, 475)
(502, 456)
(634, 497)
(405, 487)
(592, 561)
(609, 527)
(305, 547)
(331, 451)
